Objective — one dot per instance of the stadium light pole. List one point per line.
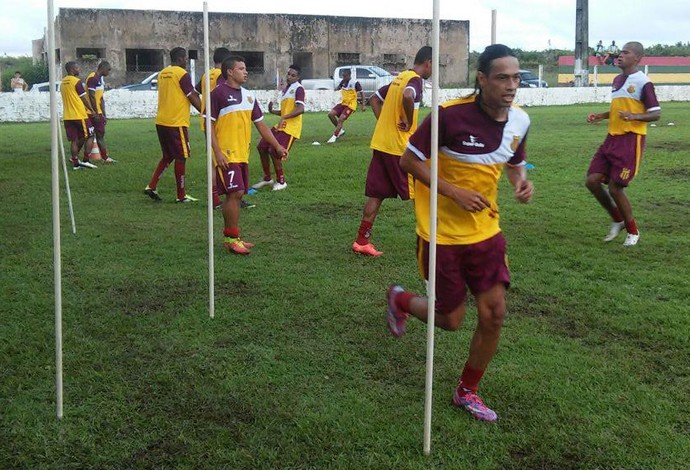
(209, 167)
(55, 186)
(433, 210)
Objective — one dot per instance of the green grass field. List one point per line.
(298, 370)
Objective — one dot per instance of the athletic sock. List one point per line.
(280, 176)
(231, 232)
(364, 232)
(616, 215)
(631, 227)
(266, 166)
(469, 380)
(179, 178)
(158, 172)
(402, 300)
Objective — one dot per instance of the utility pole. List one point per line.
(582, 43)
(493, 26)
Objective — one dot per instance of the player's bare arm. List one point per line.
(644, 117)
(597, 117)
(266, 133)
(221, 161)
(194, 99)
(469, 200)
(408, 110)
(92, 99)
(272, 110)
(87, 104)
(376, 105)
(363, 100)
(524, 189)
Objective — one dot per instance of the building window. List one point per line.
(348, 58)
(90, 53)
(305, 61)
(193, 54)
(253, 60)
(144, 60)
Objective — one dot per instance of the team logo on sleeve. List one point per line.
(250, 99)
(515, 143)
(631, 89)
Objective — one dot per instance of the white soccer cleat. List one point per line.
(615, 229)
(331, 140)
(279, 186)
(87, 165)
(631, 239)
(342, 131)
(263, 183)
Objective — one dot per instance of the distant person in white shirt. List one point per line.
(17, 83)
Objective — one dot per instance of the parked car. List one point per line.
(44, 86)
(529, 80)
(370, 77)
(149, 83)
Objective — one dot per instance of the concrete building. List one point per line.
(138, 42)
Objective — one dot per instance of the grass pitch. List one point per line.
(298, 370)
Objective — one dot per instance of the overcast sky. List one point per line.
(526, 24)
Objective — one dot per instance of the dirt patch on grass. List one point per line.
(667, 145)
(680, 174)
(138, 297)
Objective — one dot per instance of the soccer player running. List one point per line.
(233, 108)
(396, 107)
(479, 135)
(219, 54)
(616, 163)
(349, 90)
(175, 93)
(75, 113)
(96, 86)
(286, 131)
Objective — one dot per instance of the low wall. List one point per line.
(122, 104)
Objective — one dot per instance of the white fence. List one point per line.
(122, 104)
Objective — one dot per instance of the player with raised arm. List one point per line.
(617, 162)
(286, 131)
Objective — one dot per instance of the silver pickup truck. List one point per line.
(370, 77)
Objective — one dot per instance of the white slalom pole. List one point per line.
(209, 168)
(55, 179)
(433, 211)
(67, 190)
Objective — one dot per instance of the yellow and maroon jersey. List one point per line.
(233, 110)
(291, 96)
(348, 90)
(96, 84)
(387, 137)
(72, 90)
(213, 77)
(633, 93)
(473, 149)
(174, 86)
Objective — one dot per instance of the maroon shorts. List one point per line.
(99, 125)
(385, 178)
(78, 129)
(342, 111)
(283, 138)
(174, 141)
(235, 178)
(618, 158)
(480, 266)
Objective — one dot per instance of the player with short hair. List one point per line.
(219, 54)
(617, 161)
(233, 109)
(175, 93)
(75, 109)
(479, 136)
(286, 131)
(349, 90)
(96, 86)
(396, 107)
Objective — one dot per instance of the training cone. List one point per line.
(95, 151)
